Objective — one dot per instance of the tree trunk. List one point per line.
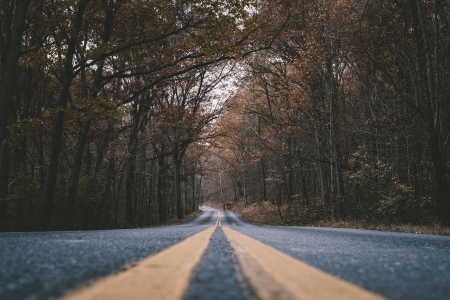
(194, 202)
(75, 176)
(335, 173)
(279, 202)
(59, 121)
(245, 187)
(129, 195)
(432, 112)
(177, 182)
(131, 166)
(264, 184)
(5, 164)
(161, 189)
(14, 24)
(304, 189)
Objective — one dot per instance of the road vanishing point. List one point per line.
(219, 256)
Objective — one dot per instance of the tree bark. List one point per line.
(129, 196)
(10, 44)
(194, 202)
(59, 121)
(4, 182)
(177, 182)
(75, 176)
(9, 57)
(161, 189)
(131, 165)
(432, 112)
(335, 172)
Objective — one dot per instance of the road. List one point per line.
(43, 265)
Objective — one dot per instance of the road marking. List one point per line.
(219, 218)
(165, 275)
(262, 282)
(300, 281)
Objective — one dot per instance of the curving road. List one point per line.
(43, 265)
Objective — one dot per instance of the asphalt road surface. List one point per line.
(43, 265)
(394, 265)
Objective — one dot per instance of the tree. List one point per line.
(14, 15)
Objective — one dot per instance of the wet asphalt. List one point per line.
(43, 265)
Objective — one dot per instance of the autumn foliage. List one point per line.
(119, 114)
(346, 117)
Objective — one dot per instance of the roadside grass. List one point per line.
(318, 216)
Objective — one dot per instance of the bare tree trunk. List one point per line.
(75, 177)
(279, 201)
(59, 121)
(335, 173)
(194, 200)
(116, 209)
(131, 166)
(321, 171)
(14, 25)
(129, 195)
(14, 16)
(5, 164)
(304, 189)
(150, 198)
(161, 189)
(245, 187)
(432, 112)
(264, 184)
(177, 182)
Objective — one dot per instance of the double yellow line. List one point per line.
(273, 274)
(219, 219)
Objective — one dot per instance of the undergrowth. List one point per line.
(320, 216)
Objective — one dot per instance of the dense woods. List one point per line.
(346, 116)
(117, 114)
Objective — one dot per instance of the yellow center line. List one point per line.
(299, 280)
(165, 275)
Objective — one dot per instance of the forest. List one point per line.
(131, 113)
